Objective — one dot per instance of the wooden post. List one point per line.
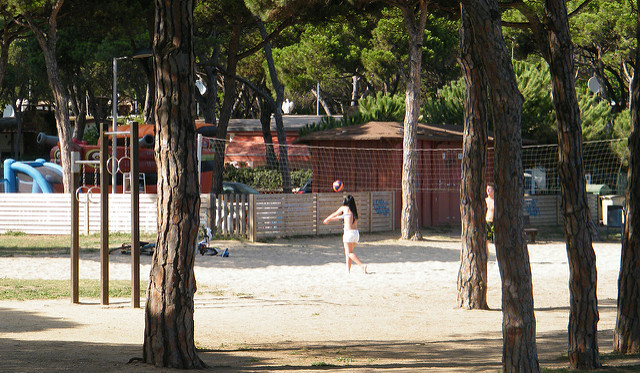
(135, 217)
(219, 214)
(75, 228)
(211, 212)
(104, 217)
(243, 215)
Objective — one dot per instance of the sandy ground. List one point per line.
(289, 305)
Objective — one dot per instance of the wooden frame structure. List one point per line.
(104, 218)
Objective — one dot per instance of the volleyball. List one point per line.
(337, 186)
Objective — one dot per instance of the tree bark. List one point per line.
(148, 114)
(79, 107)
(48, 41)
(211, 95)
(415, 20)
(583, 317)
(626, 335)
(265, 121)
(519, 352)
(169, 326)
(472, 276)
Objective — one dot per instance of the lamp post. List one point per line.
(141, 53)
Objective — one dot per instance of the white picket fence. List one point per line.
(253, 216)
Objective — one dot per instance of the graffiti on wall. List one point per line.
(531, 207)
(381, 207)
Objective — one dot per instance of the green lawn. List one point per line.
(13, 289)
(21, 244)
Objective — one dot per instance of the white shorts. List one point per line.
(351, 235)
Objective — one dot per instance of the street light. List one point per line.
(141, 53)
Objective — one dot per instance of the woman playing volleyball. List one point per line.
(349, 213)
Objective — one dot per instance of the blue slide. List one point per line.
(42, 173)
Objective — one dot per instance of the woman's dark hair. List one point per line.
(351, 202)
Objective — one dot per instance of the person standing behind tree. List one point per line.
(349, 213)
(490, 209)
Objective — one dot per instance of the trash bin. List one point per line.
(615, 219)
(614, 216)
(608, 201)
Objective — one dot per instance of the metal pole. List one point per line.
(135, 217)
(114, 124)
(75, 229)
(104, 220)
(318, 99)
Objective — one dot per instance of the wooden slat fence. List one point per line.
(254, 216)
(276, 215)
(546, 209)
(225, 214)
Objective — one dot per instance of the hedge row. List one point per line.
(263, 179)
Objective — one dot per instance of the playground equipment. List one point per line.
(146, 161)
(37, 176)
(100, 164)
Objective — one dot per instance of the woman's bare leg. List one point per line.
(349, 256)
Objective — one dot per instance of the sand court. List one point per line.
(290, 305)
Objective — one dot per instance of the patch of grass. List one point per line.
(347, 360)
(243, 295)
(322, 364)
(611, 362)
(21, 244)
(215, 292)
(617, 356)
(12, 289)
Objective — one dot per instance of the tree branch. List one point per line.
(286, 23)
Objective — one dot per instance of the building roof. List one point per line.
(291, 123)
(385, 131)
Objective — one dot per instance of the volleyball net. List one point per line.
(363, 168)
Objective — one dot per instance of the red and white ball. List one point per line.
(338, 186)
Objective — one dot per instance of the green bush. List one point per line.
(264, 179)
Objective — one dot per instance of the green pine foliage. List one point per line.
(447, 107)
(597, 118)
(263, 179)
(538, 118)
(380, 108)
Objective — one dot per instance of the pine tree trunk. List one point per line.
(519, 353)
(283, 160)
(225, 110)
(79, 107)
(211, 96)
(472, 276)
(148, 113)
(47, 40)
(169, 327)
(626, 335)
(265, 121)
(414, 20)
(583, 316)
